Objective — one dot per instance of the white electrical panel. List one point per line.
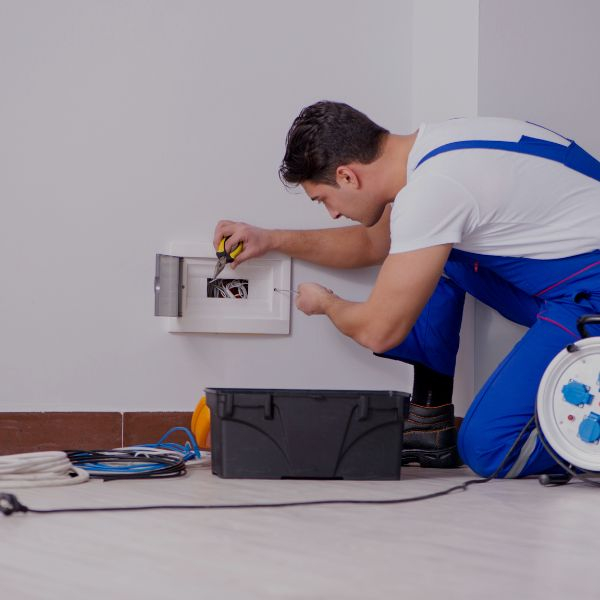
(250, 303)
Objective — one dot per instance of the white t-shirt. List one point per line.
(494, 202)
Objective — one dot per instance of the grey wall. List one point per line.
(125, 125)
(539, 60)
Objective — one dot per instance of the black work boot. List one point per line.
(430, 437)
(429, 431)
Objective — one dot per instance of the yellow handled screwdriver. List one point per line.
(225, 257)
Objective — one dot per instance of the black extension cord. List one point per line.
(10, 504)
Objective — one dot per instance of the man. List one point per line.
(505, 210)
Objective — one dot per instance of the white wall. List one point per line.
(444, 85)
(538, 61)
(126, 125)
(445, 59)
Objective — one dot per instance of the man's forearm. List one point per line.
(341, 247)
(403, 287)
(356, 320)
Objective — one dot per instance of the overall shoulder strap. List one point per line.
(572, 156)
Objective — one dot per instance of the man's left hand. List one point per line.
(313, 298)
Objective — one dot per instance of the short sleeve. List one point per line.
(430, 210)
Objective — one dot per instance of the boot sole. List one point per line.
(446, 458)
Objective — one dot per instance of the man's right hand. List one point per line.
(256, 241)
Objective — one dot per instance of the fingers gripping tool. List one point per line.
(224, 257)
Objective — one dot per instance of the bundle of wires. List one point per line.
(227, 288)
(146, 461)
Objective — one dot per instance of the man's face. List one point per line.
(347, 200)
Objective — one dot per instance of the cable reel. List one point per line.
(568, 401)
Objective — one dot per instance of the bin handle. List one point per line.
(587, 320)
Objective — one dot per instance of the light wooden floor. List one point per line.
(501, 540)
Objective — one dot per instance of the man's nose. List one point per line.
(333, 213)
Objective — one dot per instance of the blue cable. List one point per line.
(190, 446)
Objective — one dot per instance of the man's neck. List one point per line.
(394, 160)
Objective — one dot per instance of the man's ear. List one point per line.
(346, 176)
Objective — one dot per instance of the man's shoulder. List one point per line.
(432, 135)
(437, 134)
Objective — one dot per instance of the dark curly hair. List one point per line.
(324, 136)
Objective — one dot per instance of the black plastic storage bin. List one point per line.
(306, 434)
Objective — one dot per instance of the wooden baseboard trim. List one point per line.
(36, 431)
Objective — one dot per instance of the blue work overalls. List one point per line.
(547, 296)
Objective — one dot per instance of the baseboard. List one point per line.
(36, 431)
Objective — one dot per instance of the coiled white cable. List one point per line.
(39, 469)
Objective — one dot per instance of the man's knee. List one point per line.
(480, 450)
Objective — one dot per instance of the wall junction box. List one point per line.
(181, 289)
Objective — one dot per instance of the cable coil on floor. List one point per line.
(39, 469)
(146, 461)
(127, 463)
